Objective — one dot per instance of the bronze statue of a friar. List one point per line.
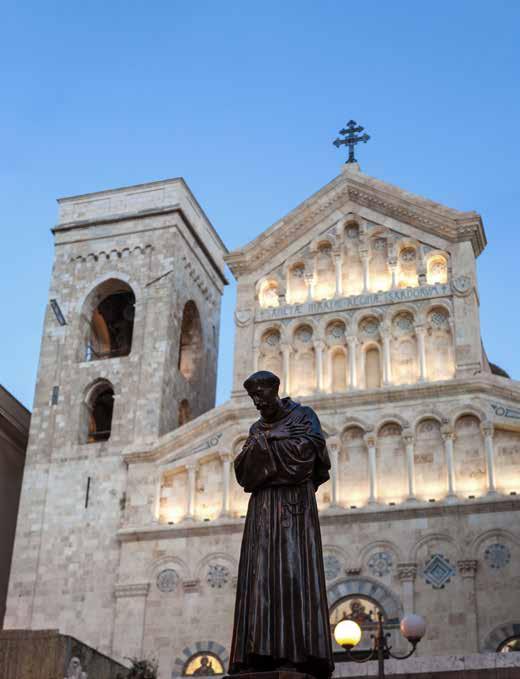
(281, 614)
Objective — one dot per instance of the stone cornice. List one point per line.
(485, 385)
(179, 443)
(428, 216)
(337, 516)
(143, 214)
(189, 440)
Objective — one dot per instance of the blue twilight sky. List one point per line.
(243, 99)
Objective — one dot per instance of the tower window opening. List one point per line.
(184, 412)
(111, 326)
(101, 408)
(190, 350)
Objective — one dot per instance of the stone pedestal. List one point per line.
(42, 654)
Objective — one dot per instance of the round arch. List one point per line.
(364, 586)
(499, 634)
(391, 418)
(199, 647)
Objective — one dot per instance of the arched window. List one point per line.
(303, 369)
(190, 350)
(437, 270)
(407, 272)
(297, 288)
(439, 346)
(391, 463)
(109, 313)
(203, 664)
(353, 467)
(352, 264)
(99, 410)
(430, 472)
(372, 368)
(184, 412)
(338, 369)
(469, 456)
(270, 352)
(405, 365)
(268, 294)
(325, 284)
(380, 278)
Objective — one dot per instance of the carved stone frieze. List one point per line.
(131, 590)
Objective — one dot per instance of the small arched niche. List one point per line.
(437, 270)
(109, 314)
(98, 412)
(190, 349)
(268, 294)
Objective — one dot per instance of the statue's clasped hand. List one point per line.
(287, 431)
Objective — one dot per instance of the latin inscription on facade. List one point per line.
(353, 302)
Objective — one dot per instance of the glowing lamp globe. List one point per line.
(347, 633)
(413, 627)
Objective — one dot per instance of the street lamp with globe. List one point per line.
(347, 633)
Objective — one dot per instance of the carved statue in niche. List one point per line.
(281, 613)
(74, 670)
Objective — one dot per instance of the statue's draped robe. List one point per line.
(281, 609)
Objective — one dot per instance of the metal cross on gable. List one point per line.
(349, 132)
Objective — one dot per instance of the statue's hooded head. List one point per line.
(262, 387)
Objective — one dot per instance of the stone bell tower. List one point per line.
(129, 352)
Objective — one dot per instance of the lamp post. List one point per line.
(348, 634)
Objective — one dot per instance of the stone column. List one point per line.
(286, 352)
(256, 357)
(467, 569)
(329, 367)
(129, 619)
(410, 467)
(333, 447)
(338, 263)
(420, 332)
(370, 440)
(352, 357)
(226, 469)
(488, 430)
(406, 572)
(192, 479)
(309, 282)
(387, 360)
(448, 437)
(392, 265)
(366, 271)
(318, 348)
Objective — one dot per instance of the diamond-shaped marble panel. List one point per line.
(438, 571)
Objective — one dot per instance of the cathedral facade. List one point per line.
(364, 300)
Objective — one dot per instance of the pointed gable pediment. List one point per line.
(341, 196)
